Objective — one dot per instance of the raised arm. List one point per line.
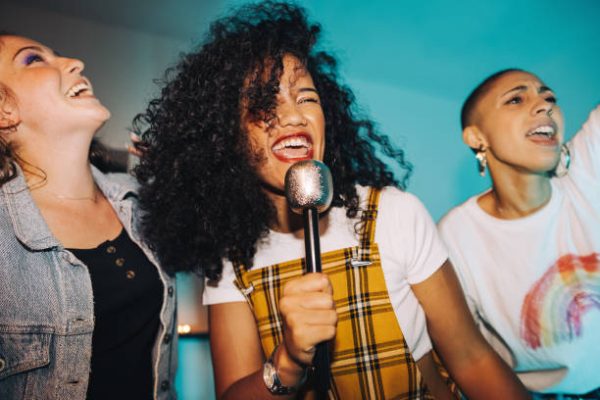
(585, 146)
(309, 318)
(477, 369)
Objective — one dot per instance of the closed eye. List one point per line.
(33, 58)
(308, 100)
(551, 99)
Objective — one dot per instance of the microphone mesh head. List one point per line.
(308, 184)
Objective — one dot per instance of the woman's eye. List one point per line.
(33, 58)
(551, 99)
(515, 100)
(308, 100)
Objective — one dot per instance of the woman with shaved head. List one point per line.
(527, 250)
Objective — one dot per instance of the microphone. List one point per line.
(309, 191)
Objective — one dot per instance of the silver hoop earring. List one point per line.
(565, 161)
(481, 160)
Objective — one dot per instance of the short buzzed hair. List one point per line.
(466, 113)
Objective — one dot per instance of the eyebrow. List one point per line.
(22, 49)
(522, 88)
(36, 48)
(307, 89)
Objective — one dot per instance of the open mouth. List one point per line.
(545, 134)
(79, 89)
(293, 148)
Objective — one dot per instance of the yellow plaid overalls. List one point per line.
(370, 358)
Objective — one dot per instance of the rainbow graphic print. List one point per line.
(553, 309)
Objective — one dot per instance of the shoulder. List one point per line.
(457, 214)
(594, 117)
(391, 196)
(397, 203)
(116, 185)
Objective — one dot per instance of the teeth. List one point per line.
(546, 130)
(294, 141)
(75, 90)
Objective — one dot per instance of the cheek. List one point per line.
(256, 153)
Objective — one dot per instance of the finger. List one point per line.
(306, 301)
(302, 318)
(134, 150)
(312, 282)
(134, 137)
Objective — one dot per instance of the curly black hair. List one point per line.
(201, 194)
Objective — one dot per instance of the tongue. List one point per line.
(292, 152)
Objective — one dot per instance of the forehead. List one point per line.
(293, 71)
(512, 80)
(16, 42)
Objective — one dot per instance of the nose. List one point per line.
(288, 114)
(542, 106)
(73, 65)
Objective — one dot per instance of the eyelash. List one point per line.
(33, 58)
(514, 100)
(519, 100)
(308, 100)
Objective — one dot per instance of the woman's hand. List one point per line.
(137, 147)
(309, 318)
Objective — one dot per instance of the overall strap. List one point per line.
(369, 219)
(239, 270)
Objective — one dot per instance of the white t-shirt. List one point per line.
(535, 281)
(410, 250)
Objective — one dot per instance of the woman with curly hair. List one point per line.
(85, 310)
(236, 113)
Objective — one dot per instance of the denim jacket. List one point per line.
(46, 303)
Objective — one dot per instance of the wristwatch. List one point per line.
(273, 382)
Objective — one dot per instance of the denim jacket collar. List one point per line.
(29, 224)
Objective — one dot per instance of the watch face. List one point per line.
(269, 375)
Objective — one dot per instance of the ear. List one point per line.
(474, 138)
(9, 114)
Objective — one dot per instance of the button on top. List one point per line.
(165, 385)
(130, 274)
(111, 249)
(120, 262)
(167, 338)
(170, 291)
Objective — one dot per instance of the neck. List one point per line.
(286, 220)
(516, 195)
(59, 171)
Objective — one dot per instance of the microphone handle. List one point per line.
(313, 264)
(312, 246)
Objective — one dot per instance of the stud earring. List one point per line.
(481, 160)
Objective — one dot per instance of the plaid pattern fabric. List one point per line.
(370, 358)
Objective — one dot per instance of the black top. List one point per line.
(128, 296)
